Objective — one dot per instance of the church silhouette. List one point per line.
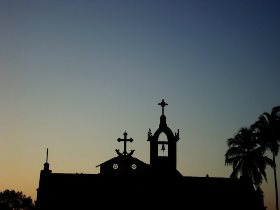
(125, 182)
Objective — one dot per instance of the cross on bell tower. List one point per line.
(162, 104)
(125, 139)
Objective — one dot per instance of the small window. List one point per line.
(133, 166)
(115, 166)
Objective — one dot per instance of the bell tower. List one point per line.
(163, 157)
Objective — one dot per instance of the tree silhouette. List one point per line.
(267, 129)
(247, 157)
(15, 200)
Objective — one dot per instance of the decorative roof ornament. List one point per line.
(125, 139)
(47, 156)
(46, 164)
(162, 104)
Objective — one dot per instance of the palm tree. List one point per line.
(247, 157)
(267, 129)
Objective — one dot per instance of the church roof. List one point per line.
(120, 159)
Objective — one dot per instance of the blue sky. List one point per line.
(74, 75)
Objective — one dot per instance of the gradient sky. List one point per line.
(74, 75)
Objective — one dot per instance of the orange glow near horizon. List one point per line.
(74, 75)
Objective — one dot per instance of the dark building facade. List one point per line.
(125, 182)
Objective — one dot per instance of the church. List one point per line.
(125, 182)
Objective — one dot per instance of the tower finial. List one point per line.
(46, 164)
(162, 104)
(47, 157)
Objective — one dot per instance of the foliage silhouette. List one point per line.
(247, 157)
(267, 130)
(11, 199)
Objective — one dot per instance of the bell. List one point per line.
(163, 147)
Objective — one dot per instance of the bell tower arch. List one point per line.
(163, 151)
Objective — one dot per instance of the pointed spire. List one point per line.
(47, 157)
(46, 164)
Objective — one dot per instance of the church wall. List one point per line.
(77, 191)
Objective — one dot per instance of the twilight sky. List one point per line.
(74, 75)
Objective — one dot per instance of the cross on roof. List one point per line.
(125, 139)
(162, 104)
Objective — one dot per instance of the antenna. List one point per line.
(47, 155)
(46, 164)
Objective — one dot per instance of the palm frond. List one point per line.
(236, 170)
(256, 175)
(275, 110)
(234, 151)
(269, 161)
(233, 161)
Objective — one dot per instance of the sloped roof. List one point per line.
(122, 158)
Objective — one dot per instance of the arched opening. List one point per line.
(162, 145)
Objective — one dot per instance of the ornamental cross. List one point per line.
(125, 139)
(162, 104)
